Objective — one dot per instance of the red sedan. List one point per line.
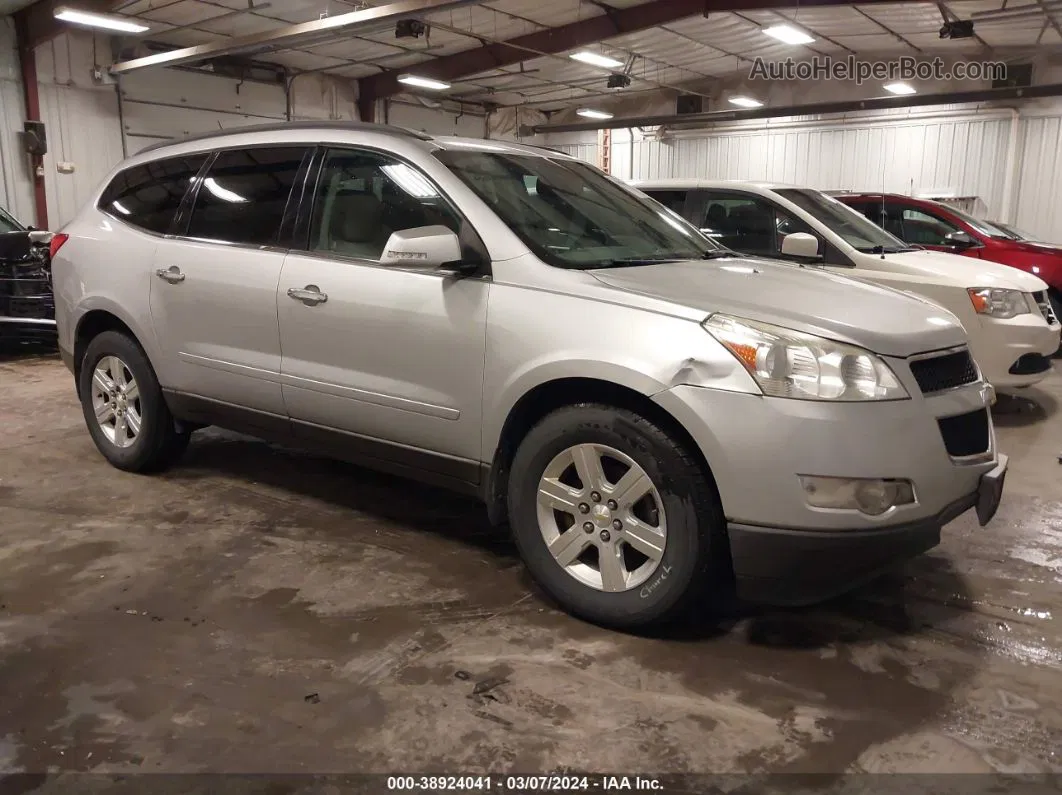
(937, 226)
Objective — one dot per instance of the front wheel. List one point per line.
(614, 518)
(124, 408)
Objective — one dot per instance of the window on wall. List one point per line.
(148, 196)
(362, 197)
(244, 194)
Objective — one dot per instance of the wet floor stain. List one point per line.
(258, 610)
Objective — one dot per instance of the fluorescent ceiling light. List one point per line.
(423, 82)
(107, 21)
(590, 113)
(788, 34)
(900, 88)
(596, 59)
(745, 102)
(219, 192)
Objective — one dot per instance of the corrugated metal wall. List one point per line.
(1040, 179)
(952, 151)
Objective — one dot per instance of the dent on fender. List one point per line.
(693, 371)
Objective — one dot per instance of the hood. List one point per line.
(804, 299)
(964, 271)
(1035, 247)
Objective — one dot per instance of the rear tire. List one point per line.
(625, 562)
(123, 406)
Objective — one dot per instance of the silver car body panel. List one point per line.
(432, 362)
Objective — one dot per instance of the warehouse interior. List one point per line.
(258, 609)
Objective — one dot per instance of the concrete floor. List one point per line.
(259, 610)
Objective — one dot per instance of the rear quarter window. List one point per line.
(147, 196)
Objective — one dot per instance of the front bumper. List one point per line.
(27, 306)
(786, 551)
(779, 566)
(997, 345)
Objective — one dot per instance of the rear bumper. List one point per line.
(798, 567)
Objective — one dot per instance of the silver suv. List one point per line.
(651, 413)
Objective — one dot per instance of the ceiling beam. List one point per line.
(39, 22)
(616, 22)
(317, 31)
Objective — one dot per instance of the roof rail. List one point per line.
(291, 125)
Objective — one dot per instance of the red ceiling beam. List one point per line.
(616, 22)
(41, 26)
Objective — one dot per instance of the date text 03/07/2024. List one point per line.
(523, 784)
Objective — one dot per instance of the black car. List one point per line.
(27, 307)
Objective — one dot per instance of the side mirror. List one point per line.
(960, 240)
(801, 245)
(422, 247)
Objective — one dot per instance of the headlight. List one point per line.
(997, 302)
(791, 364)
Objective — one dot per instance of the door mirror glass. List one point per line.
(960, 240)
(423, 247)
(800, 245)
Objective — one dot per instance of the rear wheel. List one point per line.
(613, 517)
(124, 408)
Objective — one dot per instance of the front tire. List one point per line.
(123, 406)
(614, 518)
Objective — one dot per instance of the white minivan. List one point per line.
(1005, 311)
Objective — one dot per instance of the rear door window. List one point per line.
(147, 196)
(243, 195)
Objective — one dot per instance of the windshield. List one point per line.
(9, 224)
(856, 230)
(1012, 231)
(983, 227)
(574, 216)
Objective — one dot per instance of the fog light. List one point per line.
(872, 496)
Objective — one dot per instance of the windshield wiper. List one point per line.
(886, 249)
(631, 262)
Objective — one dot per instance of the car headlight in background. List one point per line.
(791, 364)
(997, 302)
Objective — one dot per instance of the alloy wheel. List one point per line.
(601, 517)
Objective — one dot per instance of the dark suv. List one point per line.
(27, 308)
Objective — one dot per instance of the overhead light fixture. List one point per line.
(423, 82)
(788, 34)
(596, 59)
(745, 102)
(900, 88)
(590, 113)
(107, 21)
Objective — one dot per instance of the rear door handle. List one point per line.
(172, 274)
(310, 295)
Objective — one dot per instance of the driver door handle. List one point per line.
(310, 295)
(172, 274)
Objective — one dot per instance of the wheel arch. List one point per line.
(93, 323)
(556, 393)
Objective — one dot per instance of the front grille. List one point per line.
(947, 371)
(965, 434)
(1045, 307)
